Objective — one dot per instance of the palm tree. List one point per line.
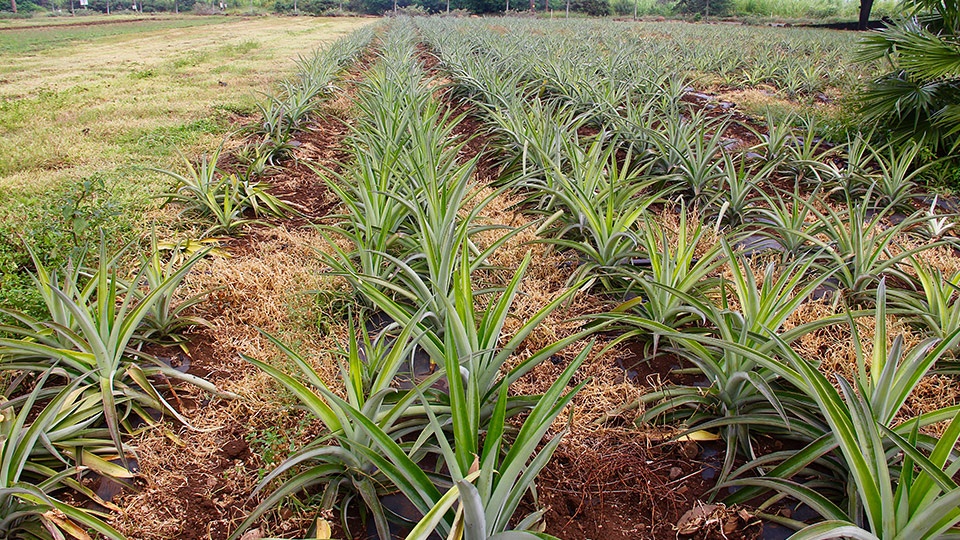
(920, 96)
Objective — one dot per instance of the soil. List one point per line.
(658, 370)
(742, 129)
(298, 184)
(627, 486)
(198, 497)
(203, 505)
(201, 511)
(202, 508)
(429, 60)
(631, 483)
(474, 132)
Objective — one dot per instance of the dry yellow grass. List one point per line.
(756, 101)
(269, 288)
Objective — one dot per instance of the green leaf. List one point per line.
(830, 530)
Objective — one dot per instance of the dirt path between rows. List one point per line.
(198, 483)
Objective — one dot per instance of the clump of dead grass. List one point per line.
(609, 401)
(942, 258)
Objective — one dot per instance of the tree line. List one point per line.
(315, 7)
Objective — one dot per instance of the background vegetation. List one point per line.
(811, 10)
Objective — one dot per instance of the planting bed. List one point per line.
(636, 309)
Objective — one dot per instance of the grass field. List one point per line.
(90, 106)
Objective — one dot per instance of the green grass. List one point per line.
(159, 140)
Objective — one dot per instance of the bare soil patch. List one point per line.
(299, 184)
(625, 485)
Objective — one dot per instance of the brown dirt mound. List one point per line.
(621, 485)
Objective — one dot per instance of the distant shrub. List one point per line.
(641, 7)
(409, 11)
(709, 8)
(201, 8)
(25, 9)
(596, 8)
(823, 10)
(313, 7)
(337, 12)
(166, 5)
